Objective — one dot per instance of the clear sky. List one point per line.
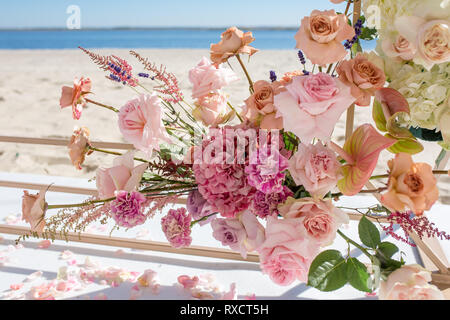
(151, 13)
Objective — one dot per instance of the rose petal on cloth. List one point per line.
(33, 276)
(44, 244)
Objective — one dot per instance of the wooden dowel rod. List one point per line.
(64, 142)
(140, 244)
(62, 189)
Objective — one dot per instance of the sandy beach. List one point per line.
(30, 88)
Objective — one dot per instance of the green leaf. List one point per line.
(358, 276)
(388, 249)
(368, 233)
(328, 271)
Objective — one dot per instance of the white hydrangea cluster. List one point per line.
(426, 92)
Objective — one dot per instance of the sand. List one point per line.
(30, 87)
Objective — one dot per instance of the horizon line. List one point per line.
(150, 28)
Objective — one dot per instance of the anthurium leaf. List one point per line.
(411, 146)
(363, 147)
(328, 271)
(357, 275)
(378, 116)
(368, 233)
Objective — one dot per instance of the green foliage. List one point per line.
(368, 233)
(366, 32)
(358, 276)
(328, 271)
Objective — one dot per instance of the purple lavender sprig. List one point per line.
(358, 29)
(273, 76)
(301, 56)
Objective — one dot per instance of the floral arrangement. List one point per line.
(266, 178)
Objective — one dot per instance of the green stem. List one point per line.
(102, 105)
(114, 153)
(340, 194)
(355, 244)
(237, 114)
(75, 205)
(250, 82)
(383, 176)
(202, 219)
(329, 68)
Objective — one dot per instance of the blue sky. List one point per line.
(151, 13)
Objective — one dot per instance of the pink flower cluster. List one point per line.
(176, 225)
(127, 210)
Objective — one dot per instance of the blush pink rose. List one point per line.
(233, 41)
(431, 38)
(34, 207)
(242, 234)
(401, 48)
(79, 146)
(321, 35)
(207, 78)
(211, 109)
(73, 96)
(122, 176)
(288, 252)
(316, 168)
(312, 105)
(140, 123)
(362, 76)
(409, 282)
(320, 218)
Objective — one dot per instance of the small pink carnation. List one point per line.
(176, 225)
(126, 209)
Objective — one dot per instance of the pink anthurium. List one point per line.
(361, 152)
(388, 106)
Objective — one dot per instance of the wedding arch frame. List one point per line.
(431, 253)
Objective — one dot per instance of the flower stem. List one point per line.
(340, 194)
(237, 114)
(355, 244)
(74, 205)
(114, 153)
(250, 82)
(202, 219)
(102, 105)
(383, 176)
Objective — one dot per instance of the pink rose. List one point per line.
(211, 109)
(233, 41)
(431, 38)
(259, 107)
(401, 48)
(243, 233)
(319, 217)
(207, 78)
(33, 210)
(140, 123)
(321, 35)
(362, 76)
(122, 176)
(312, 105)
(75, 96)
(79, 146)
(409, 282)
(288, 252)
(316, 168)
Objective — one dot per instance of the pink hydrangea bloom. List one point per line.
(288, 252)
(141, 124)
(176, 225)
(126, 209)
(266, 204)
(221, 182)
(265, 171)
(316, 168)
(207, 78)
(311, 105)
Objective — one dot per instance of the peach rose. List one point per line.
(140, 122)
(211, 109)
(79, 146)
(337, 1)
(362, 76)
(409, 282)
(287, 77)
(233, 41)
(401, 48)
(122, 176)
(411, 185)
(75, 96)
(321, 35)
(319, 217)
(34, 207)
(432, 39)
(316, 168)
(259, 108)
